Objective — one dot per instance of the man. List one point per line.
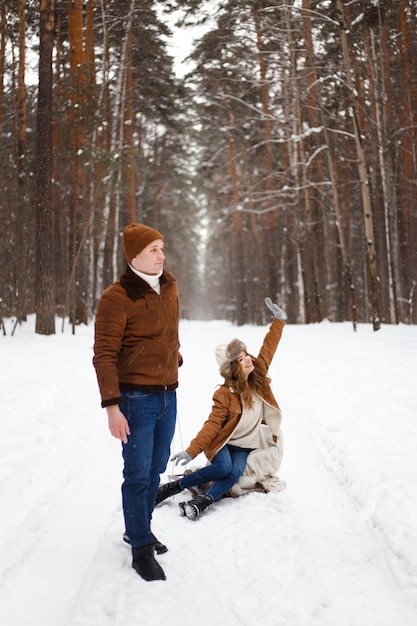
(136, 357)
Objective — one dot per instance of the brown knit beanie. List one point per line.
(136, 237)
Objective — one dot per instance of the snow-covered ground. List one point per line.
(337, 548)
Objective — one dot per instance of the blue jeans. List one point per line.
(151, 418)
(224, 471)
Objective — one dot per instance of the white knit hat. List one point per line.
(228, 352)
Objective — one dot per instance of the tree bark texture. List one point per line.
(45, 270)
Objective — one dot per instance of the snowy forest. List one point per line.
(278, 155)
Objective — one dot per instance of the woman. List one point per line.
(244, 422)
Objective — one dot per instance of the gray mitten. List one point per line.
(276, 310)
(181, 456)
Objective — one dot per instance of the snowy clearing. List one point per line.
(337, 548)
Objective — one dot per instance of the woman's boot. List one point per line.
(193, 508)
(145, 564)
(167, 490)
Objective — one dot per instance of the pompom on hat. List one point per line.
(136, 237)
(226, 353)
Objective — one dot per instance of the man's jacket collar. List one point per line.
(135, 286)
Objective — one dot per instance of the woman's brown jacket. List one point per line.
(136, 342)
(227, 408)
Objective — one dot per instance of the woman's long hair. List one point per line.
(257, 381)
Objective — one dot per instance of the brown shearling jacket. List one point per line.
(136, 344)
(227, 408)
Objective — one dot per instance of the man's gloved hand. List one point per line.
(181, 456)
(276, 310)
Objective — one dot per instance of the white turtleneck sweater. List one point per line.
(247, 433)
(151, 279)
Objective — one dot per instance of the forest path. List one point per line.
(302, 557)
(326, 567)
(359, 588)
(70, 523)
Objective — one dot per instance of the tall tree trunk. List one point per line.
(272, 214)
(408, 184)
(102, 222)
(236, 249)
(45, 279)
(311, 240)
(266, 125)
(385, 165)
(128, 147)
(92, 185)
(79, 274)
(22, 241)
(363, 178)
(119, 138)
(2, 57)
(315, 108)
(392, 211)
(21, 89)
(83, 265)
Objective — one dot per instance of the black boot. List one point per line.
(167, 490)
(195, 507)
(160, 548)
(145, 564)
